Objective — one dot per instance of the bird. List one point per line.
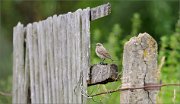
(102, 52)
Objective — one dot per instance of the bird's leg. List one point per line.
(103, 60)
(102, 63)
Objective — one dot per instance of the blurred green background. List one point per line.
(159, 18)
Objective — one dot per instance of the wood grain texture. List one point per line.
(100, 11)
(139, 68)
(77, 90)
(55, 56)
(19, 82)
(35, 55)
(41, 70)
(31, 62)
(85, 48)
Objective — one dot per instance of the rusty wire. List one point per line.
(134, 88)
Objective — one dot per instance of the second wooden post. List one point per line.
(139, 69)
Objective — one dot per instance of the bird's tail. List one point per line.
(113, 60)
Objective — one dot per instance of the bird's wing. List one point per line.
(104, 52)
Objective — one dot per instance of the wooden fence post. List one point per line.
(139, 69)
(51, 58)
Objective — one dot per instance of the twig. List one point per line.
(133, 88)
(160, 66)
(5, 94)
(174, 97)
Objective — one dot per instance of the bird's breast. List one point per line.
(99, 54)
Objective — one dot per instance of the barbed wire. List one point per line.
(134, 88)
(117, 90)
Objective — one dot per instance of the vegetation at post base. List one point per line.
(159, 18)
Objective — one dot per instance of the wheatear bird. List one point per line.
(102, 52)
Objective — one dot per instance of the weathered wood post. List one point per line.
(51, 58)
(139, 69)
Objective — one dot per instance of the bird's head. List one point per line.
(98, 44)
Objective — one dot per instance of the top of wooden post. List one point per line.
(100, 11)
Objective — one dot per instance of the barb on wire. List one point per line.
(133, 88)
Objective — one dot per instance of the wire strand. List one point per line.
(133, 88)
